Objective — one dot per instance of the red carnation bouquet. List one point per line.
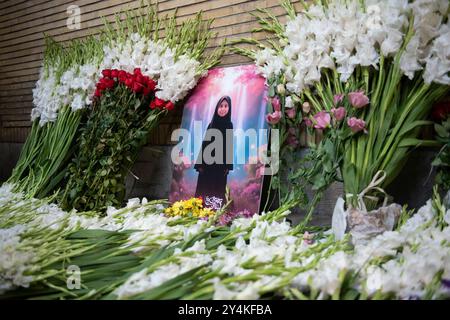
(125, 109)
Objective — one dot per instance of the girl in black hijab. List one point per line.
(212, 178)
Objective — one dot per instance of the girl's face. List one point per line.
(223, 108)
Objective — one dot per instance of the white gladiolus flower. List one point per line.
(221, 292)
(175, 76)
(156, 230)
(263, 56)
(438, 61)
(143, 281)
(343, 36)
(408, 61)
(177, 79)
(289, 103)
(71, 89)
(404, 262)
(75, 88)
(77, 102)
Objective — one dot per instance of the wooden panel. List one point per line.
(23, 24)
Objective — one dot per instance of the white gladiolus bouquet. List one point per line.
(75, 89)
(176, 75)
(344, 34)
(64, 89)
(139, 253)
(271, 259)
(367, 74)
(37, 237)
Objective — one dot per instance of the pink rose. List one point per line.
(356, 124)
(290, 113)
(358, 99)
(273, 118)
(276, 104)
(337, 98)
(322, 120)
(339, 113)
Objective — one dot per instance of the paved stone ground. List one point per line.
(151, 177)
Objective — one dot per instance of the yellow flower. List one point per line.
(192, 207)
(198, 202)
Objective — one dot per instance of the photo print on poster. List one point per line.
(224, 133)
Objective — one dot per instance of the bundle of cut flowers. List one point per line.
(266, 258)
(143, 78)
(390, 57)
(116, 128)
(40, 245)
(62, 93)
(139, 253)
(189, 208)
(67, 86)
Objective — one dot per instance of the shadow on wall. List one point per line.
(152, 174)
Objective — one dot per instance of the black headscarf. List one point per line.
(219, 122)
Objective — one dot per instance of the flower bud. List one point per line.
(358, 99)
(306, 107)
(281, 89)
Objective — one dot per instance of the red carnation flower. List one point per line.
(101, 86)
(169, 105)
(157, 103)
(146, 91)
(129, 82)
(141, 79)
(114, 73)
(97, 93)
(122, 75)
(137, 87)
(151, 84)
(441, 111)
(106, 73)
(109, 83)
(137, 71)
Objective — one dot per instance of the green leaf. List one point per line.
(413, 142)
(441, 131)
(414, 125)
(271, 92)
